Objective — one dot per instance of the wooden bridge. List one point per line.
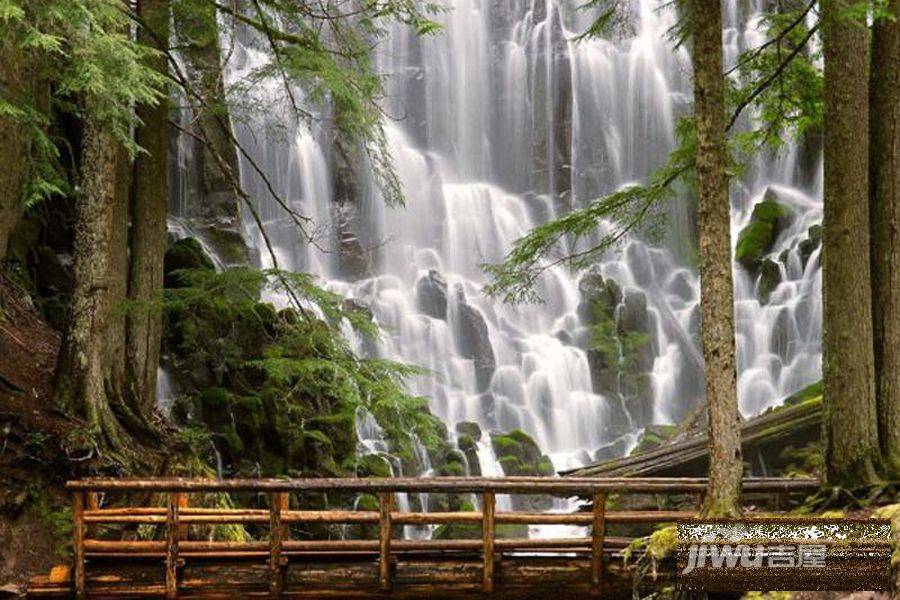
(124, 548)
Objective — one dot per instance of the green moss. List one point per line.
(519, 454)
(758, 236)
(373, 465)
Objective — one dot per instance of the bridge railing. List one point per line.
(177, 515)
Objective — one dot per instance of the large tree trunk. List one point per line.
(15, 85)
(148, 223)
(884, 202)
(850, 429)
(717, 288)
(88, 378)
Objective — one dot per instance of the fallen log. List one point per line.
(796, 423)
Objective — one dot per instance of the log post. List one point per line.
(92, 501)
(78, 543)
(487, 530)
(598, 534)
(699, 503)
(277, 502)
(172, 530)
(182, 527)
(385, 505)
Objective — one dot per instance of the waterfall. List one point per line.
(503, 122)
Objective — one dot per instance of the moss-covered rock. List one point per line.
(185, 254)
(519, 454)
(769, 218)
(373, 465)
(470, 429)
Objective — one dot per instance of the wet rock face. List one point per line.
(354, 261)
(596, 291)
(769, 278)
(619, 348)
(474, 343)
(812, 243)
(431, 294)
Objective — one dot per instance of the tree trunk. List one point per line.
(850, 428)
(884, 203)
(717, 287)
(148, 223)
(14, 145)
(88, 378)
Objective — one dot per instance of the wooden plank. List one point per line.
(78, 536)
(598, 534)
(276, 540)
(172, 531)
(385, 504)
(487, 530)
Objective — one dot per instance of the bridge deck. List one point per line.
(124, 550)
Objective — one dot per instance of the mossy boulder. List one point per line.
(185, 254)
(469, 428)
(469, 448)
(373, 465)
(519, 454)
(768, 219)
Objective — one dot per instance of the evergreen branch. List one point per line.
(772, 77)
(777, 39)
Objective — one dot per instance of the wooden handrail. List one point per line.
(177, 516)
(499, 485)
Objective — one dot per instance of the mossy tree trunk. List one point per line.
(850, 428)
(884, 204)
(89, 377)
(717, 288)
(149, 204)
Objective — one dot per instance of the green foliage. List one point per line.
(83, 53)
(281, 389)
(780, 79)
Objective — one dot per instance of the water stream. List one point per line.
(506, 122)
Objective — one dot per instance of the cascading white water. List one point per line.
(507, 122)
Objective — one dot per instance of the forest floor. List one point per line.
(31, 520)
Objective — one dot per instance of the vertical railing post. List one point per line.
(172, 531)
(92, 502)
(699, 503)
(277, 502)
(385, 505)
(598, 534)
(487, 530)
(78, 543)
(182, 501)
